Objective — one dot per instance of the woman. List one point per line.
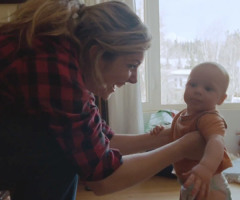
(54, 56)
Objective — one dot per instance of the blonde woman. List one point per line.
(54, 55)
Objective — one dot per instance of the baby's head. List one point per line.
(207, 85)
(216, 72)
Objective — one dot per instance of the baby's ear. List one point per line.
(221, 100)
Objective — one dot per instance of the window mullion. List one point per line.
(151, 11)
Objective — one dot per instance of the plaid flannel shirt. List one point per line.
(47, 78)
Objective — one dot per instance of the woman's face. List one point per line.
(118, 72)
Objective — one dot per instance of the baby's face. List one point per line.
(204, 89)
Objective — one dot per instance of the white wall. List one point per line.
(232, 118)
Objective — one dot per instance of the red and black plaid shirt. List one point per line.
(47, 78)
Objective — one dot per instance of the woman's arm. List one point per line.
(139, 167)
(128, 144)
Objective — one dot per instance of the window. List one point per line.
(185, 33)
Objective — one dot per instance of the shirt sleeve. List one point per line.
(50, 80)
(211, 123)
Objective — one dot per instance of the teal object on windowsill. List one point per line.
(162, 117)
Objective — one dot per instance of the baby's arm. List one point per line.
(157, 130)
(213, 153)
(200, 175)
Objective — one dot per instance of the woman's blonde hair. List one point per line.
(111, 25)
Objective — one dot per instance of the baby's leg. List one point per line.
(219, 188)
(218, 195)
(185, 193)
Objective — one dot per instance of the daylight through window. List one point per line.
(187, 33)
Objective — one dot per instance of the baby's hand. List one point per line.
(157, 130)
(199, 177)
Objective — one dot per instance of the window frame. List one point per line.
(152, 60)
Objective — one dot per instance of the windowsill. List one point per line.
(225, 106)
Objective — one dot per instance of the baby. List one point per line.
(205, 89)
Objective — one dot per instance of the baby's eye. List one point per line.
(131, 66)
(193, 84)
(208, 89)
